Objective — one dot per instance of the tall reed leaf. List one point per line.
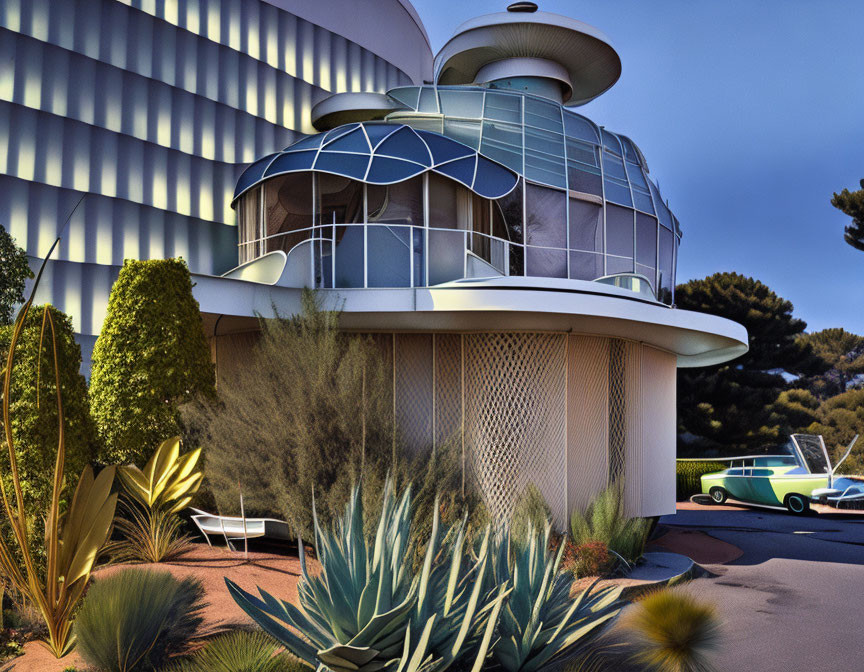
(72, 540)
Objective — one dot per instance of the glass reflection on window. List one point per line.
(586, 226)
(400, 203)
(545, 217)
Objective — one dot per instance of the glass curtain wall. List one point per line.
(597, 171)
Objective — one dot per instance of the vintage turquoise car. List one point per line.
(792, 480)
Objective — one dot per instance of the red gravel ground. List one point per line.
(699, 547)
(277, 574)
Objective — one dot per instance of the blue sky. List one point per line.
(750, 114)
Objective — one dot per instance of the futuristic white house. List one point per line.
(515, 260)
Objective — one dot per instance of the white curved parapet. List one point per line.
(498, 304)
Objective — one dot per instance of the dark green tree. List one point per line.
(727, 409)
(14, 272)
(151, 357)
(794, 410)
(33, 410)
(841, 418)
(852, 204)
(843, 354)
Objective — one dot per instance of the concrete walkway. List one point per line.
(795, 599)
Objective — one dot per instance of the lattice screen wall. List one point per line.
(568, 413)
(563, 412)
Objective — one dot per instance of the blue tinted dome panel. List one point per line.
(405, 144)
(381, 153)
(253, 174)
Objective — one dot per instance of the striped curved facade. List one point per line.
(149, 110)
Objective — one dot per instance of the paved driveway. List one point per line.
(794, 601)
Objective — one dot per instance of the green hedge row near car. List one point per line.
(688, 474)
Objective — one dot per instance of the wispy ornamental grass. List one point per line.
(605, 520)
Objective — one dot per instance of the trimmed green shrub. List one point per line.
(671, 631)
(33, 412)
(150, 357)
(605, 521)
(688, 475)
(14, 272)
(136, 619)
(241, 651)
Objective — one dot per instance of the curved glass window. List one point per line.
(465, 103)
(288, 203)
(586, 226)
(512, 212)
(543, 262)
(407, 95)
(646, 246)
(503, 143)
(503, 107)
(619, 232)
(577, 126)
(543, 114)
(340, 200)
(666, 266)
(545, 216)
(466, 132)
(428, 101)
(400, 203)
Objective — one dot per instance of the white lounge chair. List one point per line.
(235, 528)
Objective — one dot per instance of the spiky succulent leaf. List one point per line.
(541, 623)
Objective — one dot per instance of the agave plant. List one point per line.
(455, 602)
(368, 610)
(73, 539)
(542, 623)
(166, 485)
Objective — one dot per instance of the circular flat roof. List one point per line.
(584, 52)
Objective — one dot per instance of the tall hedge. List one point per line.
(688, 476)
(151, 356)
(33, 409)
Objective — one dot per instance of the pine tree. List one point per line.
(843, 354)
(852, 204)
(728, 408)
(151, 356)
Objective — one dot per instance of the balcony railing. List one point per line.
(380, 255)
(391, 255)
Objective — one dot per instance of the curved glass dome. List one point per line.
(382, 153)
(462, 182)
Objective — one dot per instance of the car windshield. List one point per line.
(812, 452)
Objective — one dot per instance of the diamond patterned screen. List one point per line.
(515, 387)
(563, 412)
